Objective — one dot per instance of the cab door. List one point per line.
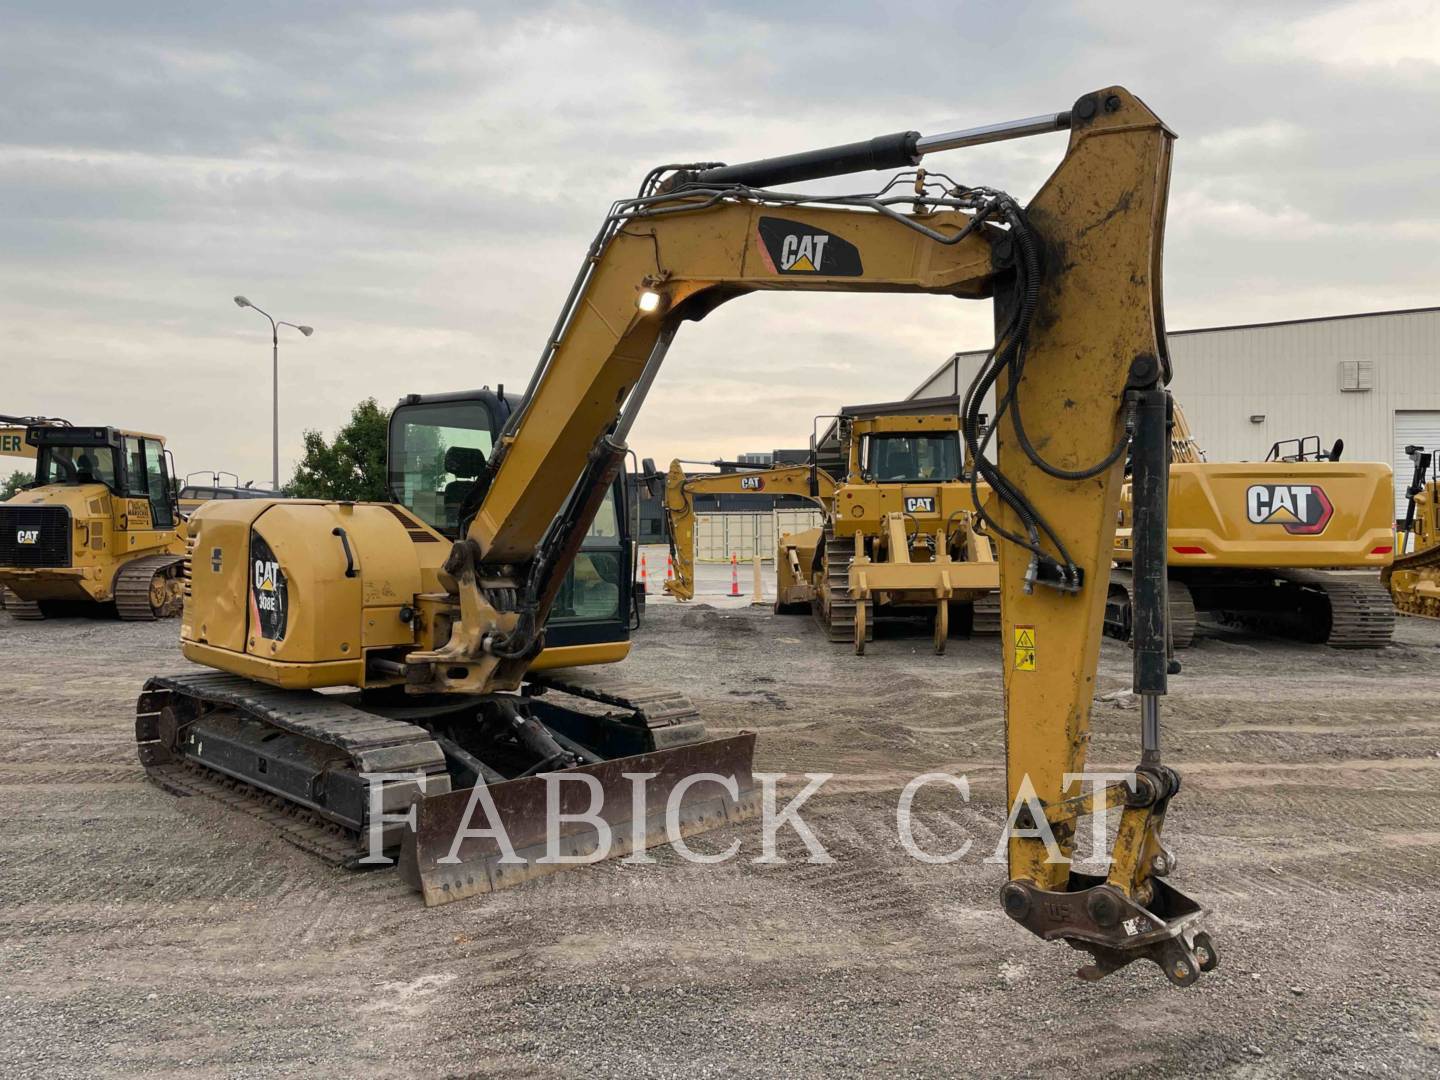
(157, 483)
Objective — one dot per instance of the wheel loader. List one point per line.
(1414, 577)
(900, 531)
(453, 734)
(98, 526)
(1290, 546)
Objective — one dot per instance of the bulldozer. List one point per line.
(900, 530)
(1290, 546)
(1413, 578)
(96, 527)
(448, 725)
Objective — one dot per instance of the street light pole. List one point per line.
(275, 325)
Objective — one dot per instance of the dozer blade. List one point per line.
(445, 865)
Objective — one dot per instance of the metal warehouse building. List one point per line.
(1371, 379)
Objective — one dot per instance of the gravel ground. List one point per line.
(146, 935)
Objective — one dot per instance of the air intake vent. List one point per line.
(34, 536)
(415, 530)
(1357, 375)
(185, 571)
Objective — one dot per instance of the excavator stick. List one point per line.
(580, 815)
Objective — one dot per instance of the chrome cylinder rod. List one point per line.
(989, 133)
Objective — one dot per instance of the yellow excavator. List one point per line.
(795, 552)
(1290, 546)
(452, 726)
(97, 526)
(900, 529)
(1414, 577)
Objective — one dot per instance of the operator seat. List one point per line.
(465, 463)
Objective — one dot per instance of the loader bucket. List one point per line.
(445, 866)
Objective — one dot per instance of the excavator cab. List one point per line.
(438, 448)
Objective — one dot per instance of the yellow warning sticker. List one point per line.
(1024, 648)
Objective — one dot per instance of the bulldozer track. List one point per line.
(1121, 602)
(1404, 594)
(834, 606)
(18, 608)
(985, 615)
(140, 584)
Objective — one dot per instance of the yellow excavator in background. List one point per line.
(97, 526)
(1291, 545)
(795, 552)
(1414, 577)
(450, 722)
(900, 530)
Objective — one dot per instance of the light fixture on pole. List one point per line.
(243, 302)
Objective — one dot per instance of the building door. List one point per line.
(1412, 428)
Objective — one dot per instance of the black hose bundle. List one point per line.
(1008, 356)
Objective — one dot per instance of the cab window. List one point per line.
(438, 453)
(157, 484)
(592, 587)
(932, 457)
(76, 465)
(135, 468)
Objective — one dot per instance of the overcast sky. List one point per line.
(420, 184)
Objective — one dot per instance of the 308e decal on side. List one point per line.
(1303, 509)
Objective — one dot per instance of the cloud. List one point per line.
(420, 182)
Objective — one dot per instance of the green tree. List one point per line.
(14, 483)
(352, 467)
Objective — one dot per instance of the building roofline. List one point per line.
(1216, 329)
(1311, 319)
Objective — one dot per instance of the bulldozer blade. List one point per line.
(445, 865)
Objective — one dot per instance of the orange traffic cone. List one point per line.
(644, 576)
(669, 568)
(734, 575)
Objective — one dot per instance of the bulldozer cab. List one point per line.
(439, 448)
(133, 466)
(901, 442)
(907, 457)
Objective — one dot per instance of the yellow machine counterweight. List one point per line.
(1291, 546)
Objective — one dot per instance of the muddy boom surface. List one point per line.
(315, 767)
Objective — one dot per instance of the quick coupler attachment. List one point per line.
(1114, 929)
